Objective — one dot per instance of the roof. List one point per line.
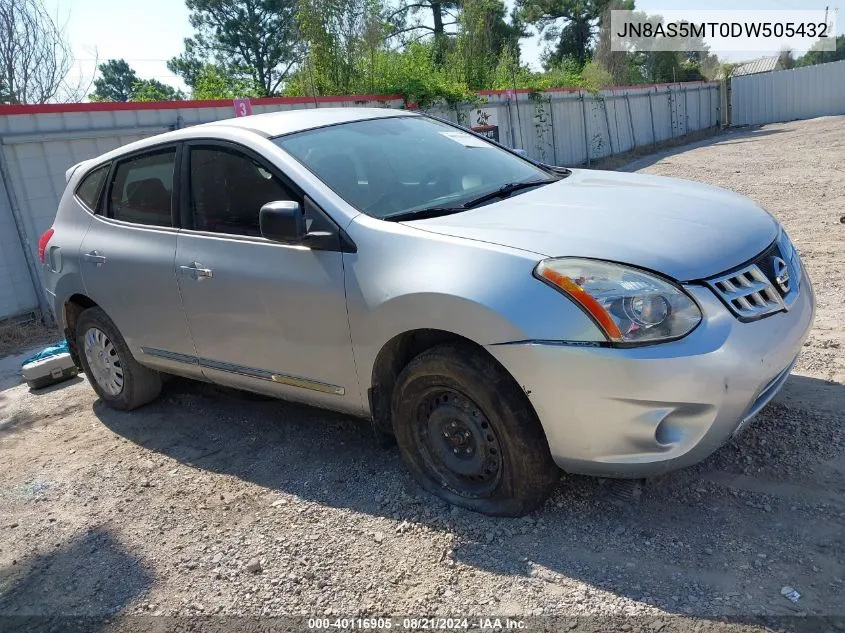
(267, 125)
(288, 121)
(761, 65)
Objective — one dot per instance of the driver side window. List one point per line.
(228, 189)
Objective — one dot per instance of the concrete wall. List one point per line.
(563, 127)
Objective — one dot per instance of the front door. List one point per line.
(127, 258)
(264, 316)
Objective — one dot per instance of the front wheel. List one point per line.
(120, 381)
(469, 435)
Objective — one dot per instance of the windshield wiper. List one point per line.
(436, 212)
(506, 190)
(421, 214)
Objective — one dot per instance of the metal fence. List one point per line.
(563, 127)
(787, 95)
(576, 127)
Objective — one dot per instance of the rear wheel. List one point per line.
(468, 433)
(119, 380)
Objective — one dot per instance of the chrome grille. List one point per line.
(754, 291)
(747, 292)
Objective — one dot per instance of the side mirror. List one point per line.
(282, 221)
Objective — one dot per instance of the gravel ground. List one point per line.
(212, 502)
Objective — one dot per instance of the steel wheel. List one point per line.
(458, 443)
(104, 361)
(468, 433)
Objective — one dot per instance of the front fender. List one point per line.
(403, 279)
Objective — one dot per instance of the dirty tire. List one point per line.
(140, 384)
(455, 400)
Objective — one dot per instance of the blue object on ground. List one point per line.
(53, 350)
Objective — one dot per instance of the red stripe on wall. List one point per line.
(227, 103)
(176, 105)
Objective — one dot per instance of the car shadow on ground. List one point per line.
(730, 136)
(722, 537)
(73, 587)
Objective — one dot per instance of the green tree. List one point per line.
(154, 90)
(659, 66)
(508, 72)
(373, 41)
(340, 36)
(212, 82)
(700, 66)
(696, 63)
(484, 35)
(190, 63)
(115, 82)
(407, 23)
(616, 63)
(596, 76)
(816, 56)
(573, 42)
(573, 37)
(786, 59)
(249, 39)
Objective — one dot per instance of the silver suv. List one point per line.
(502, 319)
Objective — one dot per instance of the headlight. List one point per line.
(629, 305)
(790, 256)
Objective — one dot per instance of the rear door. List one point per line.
(264, 316)
(127, 259)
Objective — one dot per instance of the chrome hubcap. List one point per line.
(103, 361)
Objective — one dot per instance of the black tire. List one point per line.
(468, 434)
(140, 384)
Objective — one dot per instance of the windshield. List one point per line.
(385, 167)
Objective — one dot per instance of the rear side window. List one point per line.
(142, 189)
(89, 189)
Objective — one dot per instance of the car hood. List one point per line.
(683, 229)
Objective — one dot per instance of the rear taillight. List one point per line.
(42, 243)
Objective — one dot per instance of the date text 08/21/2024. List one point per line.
(417, 623)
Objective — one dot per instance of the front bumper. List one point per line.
(643, 411)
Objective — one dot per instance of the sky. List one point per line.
(147, 33)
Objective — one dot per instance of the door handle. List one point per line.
(196, 271)
(94, 257)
